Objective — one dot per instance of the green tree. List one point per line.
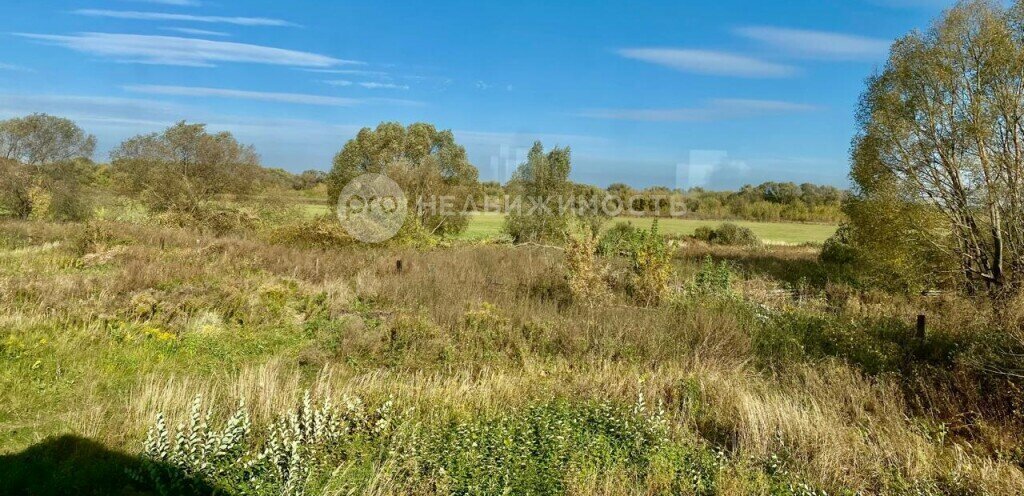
(44, 162)
(40, 139)
(309, 179)
(428, 164)
(15, 184)
(541, 185)
(184, 167)
(938, 162)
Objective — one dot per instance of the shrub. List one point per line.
(838, 249)
(184, 167)
(712, 279)
(15, 182)
(585, 273)
(616, 240)
(39, 200)
(727, 234)
(295, 448)
(650, 266)
(540, 184)
(212, 218)
(322, 232)
(533, 450)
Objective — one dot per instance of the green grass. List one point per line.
(489, 224)
(486, 225)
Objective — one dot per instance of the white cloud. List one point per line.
(197, 32)
(354, 72)
(164, 16)
(176, 3)
(368, 85)
(299, 98)
(709, 62)
(12, 67)
(383, 86)
(92, 108)
(715, 110)
(911, 4)
(171, 50)
(818, 44)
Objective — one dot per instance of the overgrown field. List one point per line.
(262, 368)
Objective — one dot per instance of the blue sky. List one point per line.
(714, 94)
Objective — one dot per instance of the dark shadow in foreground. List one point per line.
(79, 466)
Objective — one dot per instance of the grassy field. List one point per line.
(475, 371)
(487, 225)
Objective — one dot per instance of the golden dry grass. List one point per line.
(99, 335)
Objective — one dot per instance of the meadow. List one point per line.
(139, 357)
(488, 225)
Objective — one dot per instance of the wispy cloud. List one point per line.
(299, 98)
(709, 62)
(176, 3)
(354, 72)
(818, 44)
(12, 67)
(165, 16)
(197, 32)
(170, 50)
(366, 84)
(383, 86)
(907, 4)
(94, 108)
(715, 110)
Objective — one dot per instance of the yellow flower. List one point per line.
(158, 334)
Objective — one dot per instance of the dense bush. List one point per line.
(427, 164)
(585, 271)
(712, 279)
(322, 232)
(184, 167)
(540, 185)
(837, 248)
(616, 239)
(727, 234)
(650, 262)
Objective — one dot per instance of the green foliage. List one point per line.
(540, 184)
(876, 345)
(322, 232)
(727, 234)
(184, 167)
(533, 450)
(767, 202)
(15, 183)
(296, 449)
(650, 263)
(309, 179)
(585, 272)
(838, 249)
(617, 239)
(40, 139)
(426, 163)
(44, 164)
(936, 159)
(712, 279)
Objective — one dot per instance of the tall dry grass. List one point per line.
(104, 329)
